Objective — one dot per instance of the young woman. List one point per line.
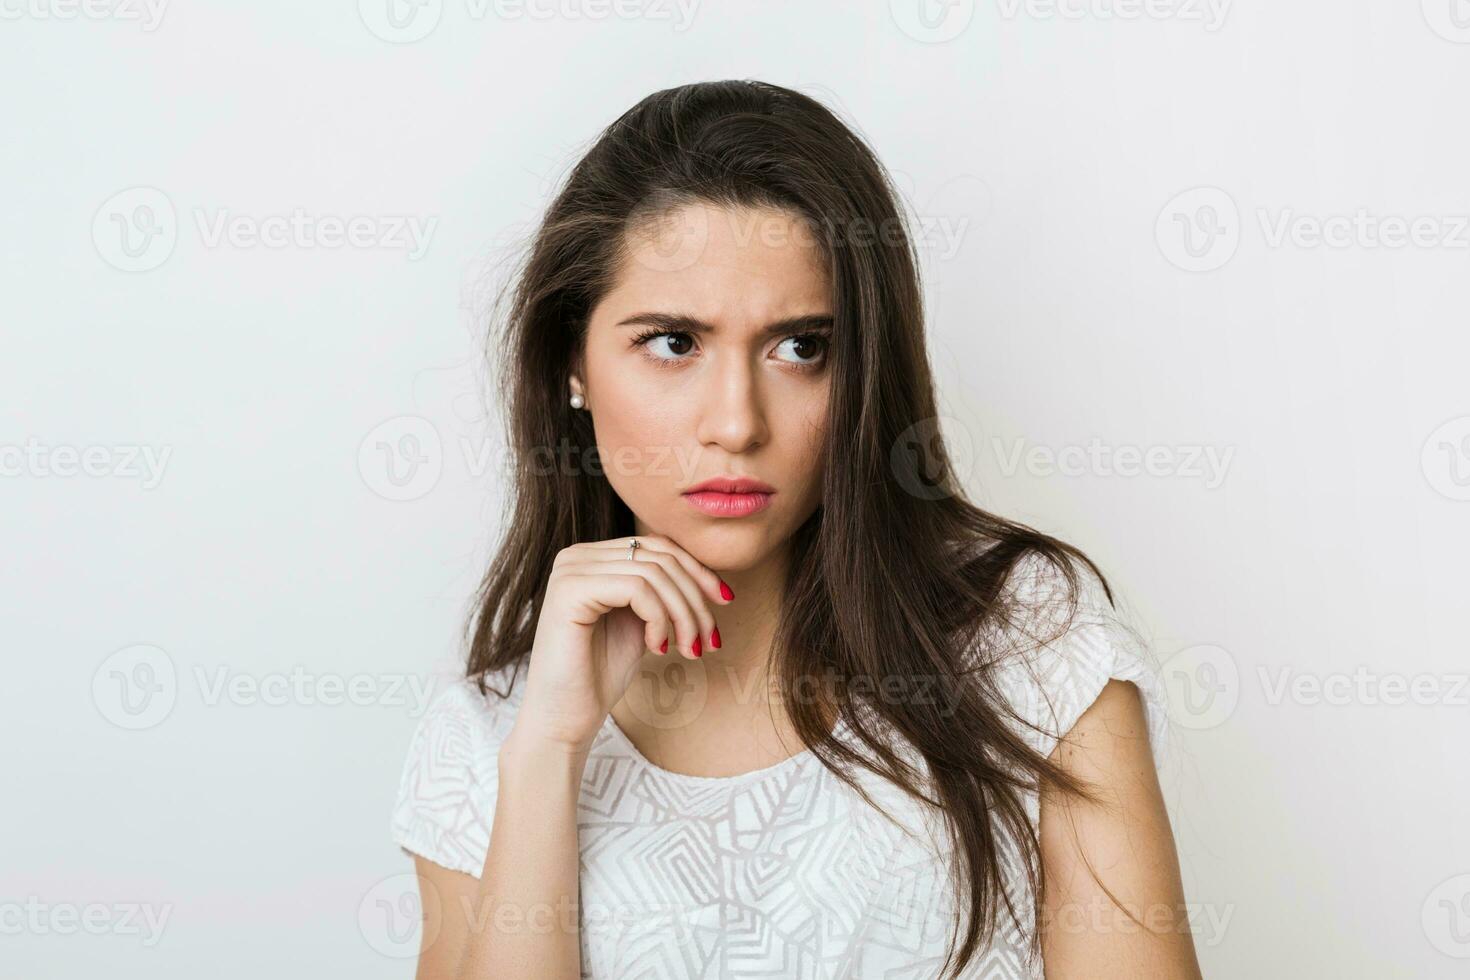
(753, 691)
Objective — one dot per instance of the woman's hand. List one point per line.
(602, 614)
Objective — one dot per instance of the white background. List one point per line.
(1047, 153)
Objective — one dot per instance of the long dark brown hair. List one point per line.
(896, 572)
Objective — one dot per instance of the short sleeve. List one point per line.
(1058, 655)
(447, 791)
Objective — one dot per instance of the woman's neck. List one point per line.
(688, 710)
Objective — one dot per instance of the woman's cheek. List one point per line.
(642, 470)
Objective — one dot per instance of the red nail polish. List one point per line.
(663, 647)
(714, 638)
(695, 648)
(725, 593)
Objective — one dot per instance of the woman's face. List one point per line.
(708, 360)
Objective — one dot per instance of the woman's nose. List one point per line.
(732, 413)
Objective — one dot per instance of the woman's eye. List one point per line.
(670, 346)
(802, 350)
(805, 348)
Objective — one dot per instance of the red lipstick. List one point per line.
(735, 496)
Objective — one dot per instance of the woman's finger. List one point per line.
(709, 631)
(685, 634)
(709, 581)
(607, 592)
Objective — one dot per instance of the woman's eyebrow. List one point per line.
(684, 323)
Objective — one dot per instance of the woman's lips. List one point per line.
(718, 504)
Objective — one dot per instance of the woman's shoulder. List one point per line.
(1058, 640)
(447, 786)
(475, 710)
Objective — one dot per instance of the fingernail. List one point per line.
(663, 647)
(714, 638)
(726, 593)
(695, 648)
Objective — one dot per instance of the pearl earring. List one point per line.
(577, 400)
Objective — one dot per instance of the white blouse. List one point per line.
(780, 872)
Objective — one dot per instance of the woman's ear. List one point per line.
(576, 391)
(576, 373)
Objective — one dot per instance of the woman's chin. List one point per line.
(724, 544)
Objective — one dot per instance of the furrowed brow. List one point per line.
(684, 323)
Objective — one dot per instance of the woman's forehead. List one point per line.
(740, 269)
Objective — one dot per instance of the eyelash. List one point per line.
(823, 337)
